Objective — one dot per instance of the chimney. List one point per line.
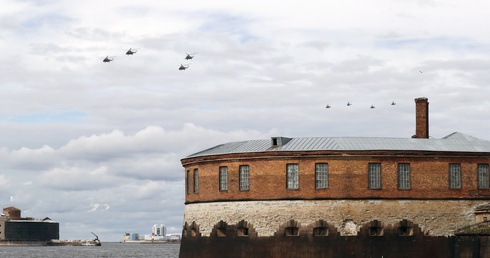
(421, 118)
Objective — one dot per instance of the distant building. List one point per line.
(158, 233)
(13, 227)
(158, 230)
(131, 237)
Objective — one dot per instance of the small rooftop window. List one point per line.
(279, 141)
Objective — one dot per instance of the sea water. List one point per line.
(113, 250)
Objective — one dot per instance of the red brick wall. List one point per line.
(348, 176)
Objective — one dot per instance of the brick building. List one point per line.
(290, 186)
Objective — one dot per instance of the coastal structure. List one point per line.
(340, 197)
(158, 234)
(159, 231)
(17, 230)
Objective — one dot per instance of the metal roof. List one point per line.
(455, 142)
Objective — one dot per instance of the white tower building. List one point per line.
(158, 230)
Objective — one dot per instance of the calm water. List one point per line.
(106, 250)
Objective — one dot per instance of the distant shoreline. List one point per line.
(150, 242)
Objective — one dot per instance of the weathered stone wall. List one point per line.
(434, 217)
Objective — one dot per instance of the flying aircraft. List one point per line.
(393, 103)
(328, 106)
(372, 106)
(183, 67)
(131, 51)
(349, 104)
(189, 56)
(108, 59)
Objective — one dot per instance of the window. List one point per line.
(188, 179)
(320, 231)
(405, 228)
(221, 232)
(455, 176)
(374, 175)
(292, 176)
(242, 231)
(321, 175)
(242, 228)
(291, 231)
(483, 177)
(404, 176)
(244, 178)
(223, 178)
(196, 180)
(376, 228)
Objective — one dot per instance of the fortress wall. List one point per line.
(348, 177)
(434, 217)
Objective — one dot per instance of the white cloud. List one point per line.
(77, 178)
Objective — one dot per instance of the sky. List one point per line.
(97, 146)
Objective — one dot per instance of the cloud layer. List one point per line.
(97, 146)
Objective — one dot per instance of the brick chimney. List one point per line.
(421, 118)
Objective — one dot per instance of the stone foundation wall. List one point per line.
(434, 217)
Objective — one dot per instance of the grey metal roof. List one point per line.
(455, 142)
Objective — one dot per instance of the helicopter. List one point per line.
(189, 56)
(131, 51)
(108, 59)
(183, 67)
(328, 106)
(349, 104)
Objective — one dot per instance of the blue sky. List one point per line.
(97, 146)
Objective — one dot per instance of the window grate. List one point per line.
(196, 180)
(223, 178)
(244, 178)
(321, 175)
(454, 176)
(188, 184)
(404, 176)
(483, 176)
(374, 175)
(292, 176)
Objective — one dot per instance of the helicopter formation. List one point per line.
(109, 59)
(132, 51)
(393, 103)
(187, 57)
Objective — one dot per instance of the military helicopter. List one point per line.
(108, 59)
(131, 51)
(349, 104)
(189, 56)
(328, 106)
(183, 67)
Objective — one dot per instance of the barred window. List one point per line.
(223, 178)
(455, 176)
(244, 178)
(188, 182)
(403, 176)
(321, 175)
(292, 176)
(196, 180)
(374, 175)
(483, 177)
